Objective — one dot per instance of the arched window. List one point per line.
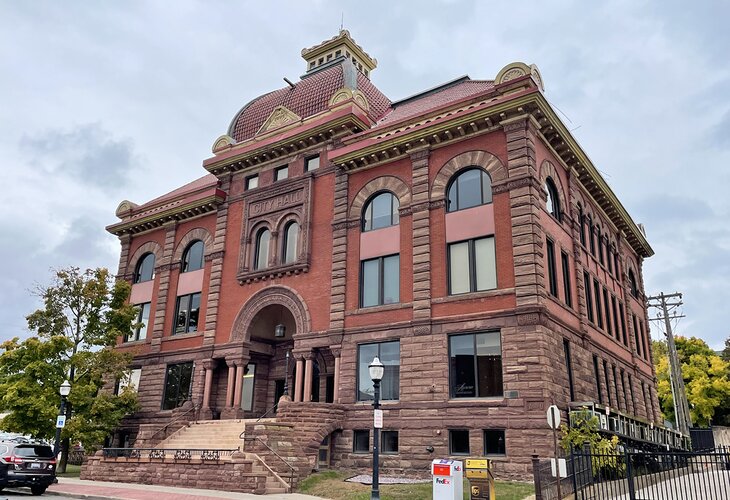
(634, 289)
(553, 202)
(381, 211)
(582, 221)
(291, 238)
(599, 237)
(193, 257)
(591, 235)
(470, 188)
(145, 270)
(261, 256)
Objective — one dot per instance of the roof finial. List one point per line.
(342, 21)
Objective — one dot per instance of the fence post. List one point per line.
(629, 474)
(575, 472)
(536, 477)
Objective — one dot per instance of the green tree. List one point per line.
(584, 431)
(83, 314)
(725, 354)
(706, 379)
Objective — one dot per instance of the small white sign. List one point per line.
(562, 467)
(553, 417)
(378, 419)
(60, 421)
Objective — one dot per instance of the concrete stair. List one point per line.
(207, 434)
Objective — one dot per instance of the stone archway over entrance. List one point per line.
(270, 296)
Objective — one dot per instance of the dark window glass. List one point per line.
(607, 311)
(470, 188)
(623, 389)
(615, 386)
(143, 320)
(589, 301)
(553, 202)
(565, 262)
(614, 311)
(472, 266)
(361, 441)
(632, 284)
(475, 365)
(30, 451)
(615, 262)
(599, 238)
(193, 257)
(636, 336)
(389, 441)
(643, 339)
(552, 275)
(261, 255)
(252, 182)
(291, 239)
(458, 442)
(178, 384)
(281, 173)
(597, 293)
(598, 379)
(311, 163)
(494, 442)
(389, 355)
(145, 270)
(380, 281)
(623, 323)
(609, 260)
(631, 394)
(591, 235)
(187, 310)
(381, 211)
(608, 384)
(569, 368)
(582, 220)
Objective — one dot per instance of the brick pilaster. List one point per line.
(125, 241)
(215, 255)
(163, 270)
(421, 236)
(339, 251)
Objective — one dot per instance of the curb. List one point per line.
(84, 496)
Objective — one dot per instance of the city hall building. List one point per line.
(461, 235)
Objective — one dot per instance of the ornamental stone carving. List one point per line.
(385, 183)
(483, 159)
(273, 295)
(278, 118)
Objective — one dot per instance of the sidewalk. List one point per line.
(100, 490)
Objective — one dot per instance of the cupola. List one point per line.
(335, 49)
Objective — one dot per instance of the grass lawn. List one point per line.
(331, 484)
(71, 471)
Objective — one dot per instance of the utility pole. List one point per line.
(665, 304)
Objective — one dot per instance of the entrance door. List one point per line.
(249, 376)
(278, 391)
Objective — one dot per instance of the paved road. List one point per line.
(24, 494)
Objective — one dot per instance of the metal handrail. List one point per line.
(268, 411)
(292, 470)
(164, 427)
(185, 454)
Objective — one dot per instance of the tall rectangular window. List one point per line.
(596, 372)
(380, 281)
(458, 442)
(389, 354)
(589, 300)
(252, 182)
(614, 311)
(361, 441)
(631, 394)
(636, 336)
(129, 379)
(472, 266)
(475, 365)
(178, 382)
(623, 388)
(143, 321)
(281, 173)
(389, 442)
(644, 340)
(552, 275)
(615, 386)
(608, 383)
(623, 323)
(607, 311)
(597, 292)
(311, 163)
(187, 311)
(565, 263)
(569, 368)
(494, 443)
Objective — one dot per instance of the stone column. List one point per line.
(163, 270)
(230, 387)
(336, 393)
(215, 256)
(421, 218)
(240, 366)
(299, 380)
(209, 366)
(308, 375)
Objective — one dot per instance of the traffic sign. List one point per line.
(378, 419)
(553, 417)
(60, 421)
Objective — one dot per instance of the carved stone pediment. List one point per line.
(278, 118)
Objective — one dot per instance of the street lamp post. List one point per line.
(64, 390)
(376, 369)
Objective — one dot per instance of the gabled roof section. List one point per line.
(195, 198)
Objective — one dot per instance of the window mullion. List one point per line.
(381, 285)
(476, 368)
(472, 267)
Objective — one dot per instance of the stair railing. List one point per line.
(174, 420)
(273, 408)
(292, 470)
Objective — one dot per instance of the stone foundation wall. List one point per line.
(236, 475)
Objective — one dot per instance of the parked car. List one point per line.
(27, 465)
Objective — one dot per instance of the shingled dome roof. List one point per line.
(308, 97)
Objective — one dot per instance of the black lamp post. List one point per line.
(286, 376)
(377, 370)
(64, 390)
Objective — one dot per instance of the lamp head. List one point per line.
(376, 369)
(65, 388)
(279, 331)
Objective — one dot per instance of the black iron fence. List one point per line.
(76, 457)
(639, 476)
(168, 454)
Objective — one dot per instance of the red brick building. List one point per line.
(461, 235)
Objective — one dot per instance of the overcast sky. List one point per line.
(102, 101)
